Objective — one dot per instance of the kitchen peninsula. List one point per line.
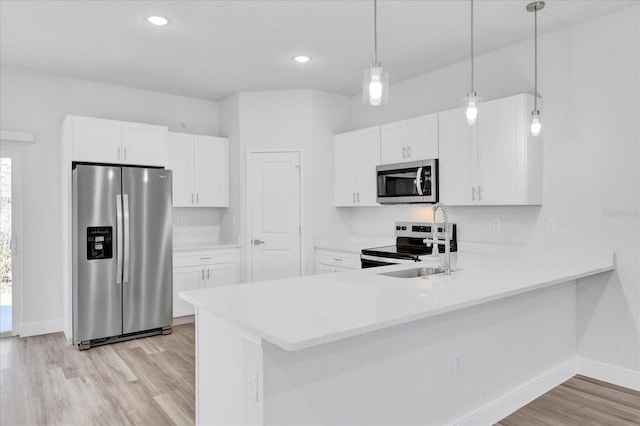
(363, 348)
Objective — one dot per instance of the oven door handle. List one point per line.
(419, 181)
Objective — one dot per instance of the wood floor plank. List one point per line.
(179, 406)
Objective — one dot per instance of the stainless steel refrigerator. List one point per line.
(122, 253)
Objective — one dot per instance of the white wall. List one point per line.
(287, 119)
(38, 103)
(589, 80)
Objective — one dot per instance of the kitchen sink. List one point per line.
(414, 272)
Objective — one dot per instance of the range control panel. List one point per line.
(415, 232)
(99, 242)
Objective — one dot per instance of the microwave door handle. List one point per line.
(419, 181)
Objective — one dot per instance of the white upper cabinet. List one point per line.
(200, 166)
(97, 140)
(356, 155)
(409, 140)
(211, 171)
(144, 144)
(495, 162)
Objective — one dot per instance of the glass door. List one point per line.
(6, 281)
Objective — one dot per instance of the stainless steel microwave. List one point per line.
(405, 183)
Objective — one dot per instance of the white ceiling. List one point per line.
(212, 49)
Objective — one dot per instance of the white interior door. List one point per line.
(273, 182)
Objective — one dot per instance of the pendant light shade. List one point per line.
(471, 101)
(375, 85)
(536, 125)
(375, 79)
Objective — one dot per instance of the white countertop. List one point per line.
(298, 313)
(354, 243)
(202, 246)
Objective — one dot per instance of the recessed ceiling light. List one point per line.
(301, 59)
(158, 20)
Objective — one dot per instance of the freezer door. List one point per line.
(97, 293)
(147, 267)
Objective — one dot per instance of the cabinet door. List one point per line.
(185, 278)
(180, 163)
(394, 142)
(96, 140)
(221, 274)
(423, 137)
(499, 152)
(144, 144)
(368, 159)
(457, 159)
(345, 173)
(210, 171)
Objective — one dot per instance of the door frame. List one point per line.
(303, 208)
(16, 230)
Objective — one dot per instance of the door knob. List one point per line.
(257, 242)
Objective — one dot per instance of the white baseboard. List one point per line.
(608, 373)
(42, 327)
(521, 396)
(187, 319)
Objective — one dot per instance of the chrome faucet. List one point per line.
(435, 242)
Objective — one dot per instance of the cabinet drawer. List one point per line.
(199, 258)
(339, 259)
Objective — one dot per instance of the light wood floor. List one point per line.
(148, 381)
(580, 401)
(151, 382)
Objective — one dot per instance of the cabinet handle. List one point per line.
(358, 196)
(192, 198)
(204, 258)
(473, 193)
(404, 152)
(354, 197)
(409, 151)
(337, 260)
(208, 276)
(203, 274)
(125, 153)
(479, 193)
(198, 198)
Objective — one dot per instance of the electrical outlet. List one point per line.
(551, 226)
(456, 364)
(252, 385)
(183, 221)
(496, 223)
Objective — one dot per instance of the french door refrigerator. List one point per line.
(122, 253)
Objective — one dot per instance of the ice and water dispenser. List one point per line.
(99, 242)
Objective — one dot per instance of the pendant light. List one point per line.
(470, 103)
(536, 126)
(375, 81)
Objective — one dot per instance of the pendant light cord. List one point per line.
(472, 48)
(535, 60)
(375, 32)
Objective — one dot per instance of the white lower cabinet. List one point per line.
(336, 261)
(197, 269)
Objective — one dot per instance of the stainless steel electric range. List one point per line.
(409, 247)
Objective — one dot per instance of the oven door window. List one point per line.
(370, 263)
(398, 183)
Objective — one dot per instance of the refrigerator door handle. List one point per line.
(125, 266)
(119, 242)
